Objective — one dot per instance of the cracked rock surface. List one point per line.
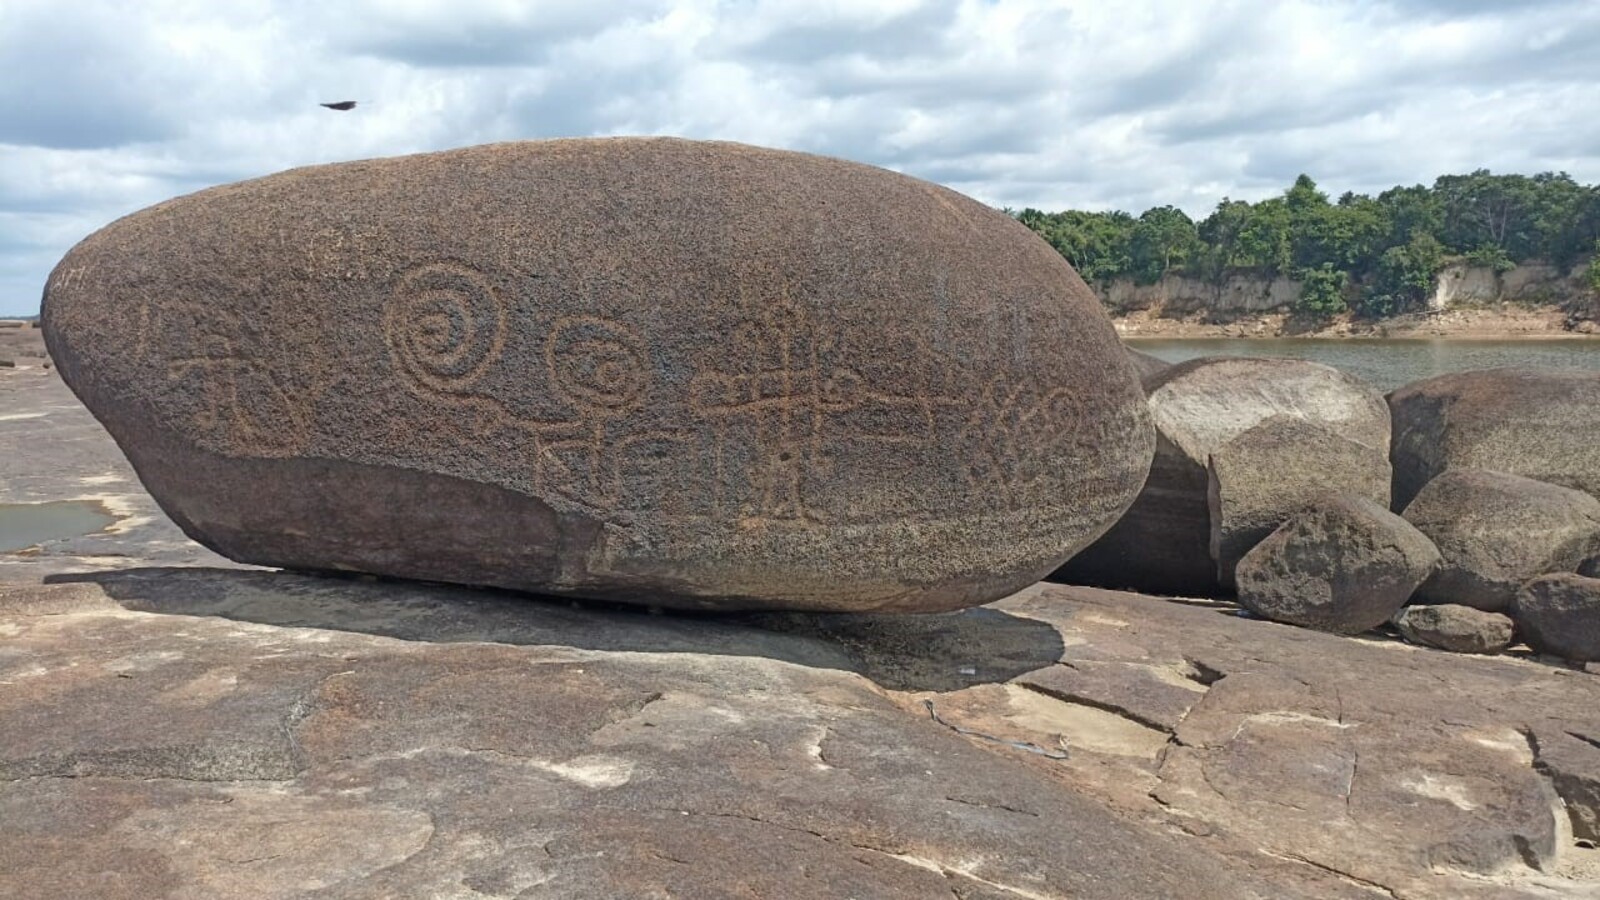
(174, 728)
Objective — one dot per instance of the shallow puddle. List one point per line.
(25, 524)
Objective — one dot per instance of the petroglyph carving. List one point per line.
(771, 409)
(445, 325)
(597, 365)
(244, 406)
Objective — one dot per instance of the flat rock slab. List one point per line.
(199, 731)
(649, 773)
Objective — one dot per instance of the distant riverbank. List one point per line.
(1506, 323)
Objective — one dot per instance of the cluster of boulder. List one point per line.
(1462, 509)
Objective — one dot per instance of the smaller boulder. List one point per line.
(1265, 475)
(1145, 365)
(1496, 531)
(1459, 629)
(1560, 615)
(1161, 544)
(1344, 564)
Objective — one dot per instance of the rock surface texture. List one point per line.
(1459, 629)
(172, 728)
(605, 368)
(1256, 481)
(1540, 424)
(1162, 544)
(1496, 531)
(1343, 564)
(1560, 615)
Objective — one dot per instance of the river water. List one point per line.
(1388, 363)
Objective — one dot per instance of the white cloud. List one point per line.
(110, 106)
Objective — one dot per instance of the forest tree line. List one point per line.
(1376, 255)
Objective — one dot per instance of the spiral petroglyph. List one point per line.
(596, 364)
(444, 326)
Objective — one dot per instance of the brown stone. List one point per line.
(1162, 544)
(1256, 481)
(1560, 614)
(1538, 423)
(1496, 531)
(1569, 755)
(652, 370)
(1459, 629)
(1343, 564)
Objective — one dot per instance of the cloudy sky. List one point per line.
(106, 107)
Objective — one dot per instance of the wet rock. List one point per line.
(1162, 543)
(604, 368)
(1560, 615)
(1460, 629)
(1256, 481)
(1531, 422)
(1343, 564)
(1496, 531)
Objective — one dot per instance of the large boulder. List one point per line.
(1496, 531)
(1344, 564)
(1560, 615)
(1540, 424)
(1163, 543)
(1256, 481)
(652, 370)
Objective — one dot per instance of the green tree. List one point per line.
(1322, 291)
(1266, 241)
(1492, 256)
(1097, 244)
(1163, 239)
(1404, 277)
(1593, 272)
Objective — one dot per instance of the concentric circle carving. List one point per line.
(444, 325)
(596, 364)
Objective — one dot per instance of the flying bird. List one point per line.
(341, 106)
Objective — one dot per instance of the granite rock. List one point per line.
(1256, 481)
(1162, 543)
(605, 368)
(1343, 564)
(1460, 629)
(1496, 531)
(1560, 615)
(1538, 423)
